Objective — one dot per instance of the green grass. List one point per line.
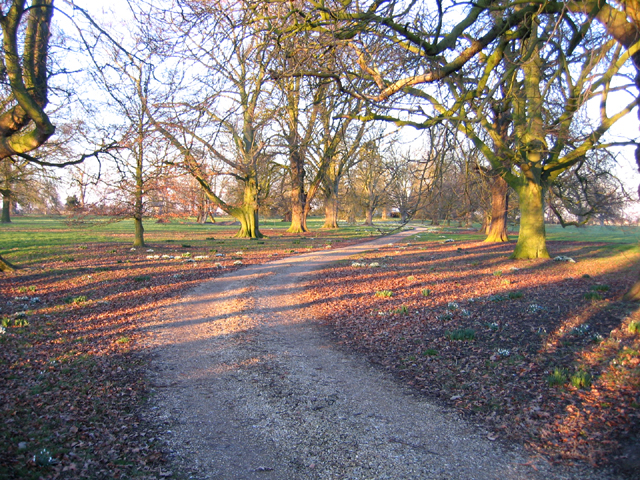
(37, 239)
(461, 334)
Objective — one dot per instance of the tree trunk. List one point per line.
(247, 214)
(298, 196)
(497, 229)
(634, 292)
(385, 214)
(6, 206)
(369, 217)
(331, 209)
(532, 242)
(6, 266)
(138, 239)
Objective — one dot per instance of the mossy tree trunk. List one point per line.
(247, 214)
(532, 241)
(6, 266)
(497, 229)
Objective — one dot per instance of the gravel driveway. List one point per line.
(248, 387)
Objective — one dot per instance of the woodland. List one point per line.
(490, 121)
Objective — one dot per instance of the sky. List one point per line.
(113, 14)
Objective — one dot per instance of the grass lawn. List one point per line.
(72, 343)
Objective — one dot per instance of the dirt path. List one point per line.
(249, 388)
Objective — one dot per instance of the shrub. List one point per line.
(76, 300)
(581, 379)
(384, 293)
(461, 334)
(557, 378)
(592, 296)
(402, 310)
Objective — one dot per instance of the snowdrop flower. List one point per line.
(2, 330)
(149, 250)
(239, 253)
(533, 308)
(218, 265)
(374, 264)
(238, 262)
(132, 249)
(503, 352)
(563, 258)
(153, 257)
(201, 257)
(167, 256)
(356, 264)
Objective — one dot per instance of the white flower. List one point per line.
(533, 308)
(374, 264)
(503, 352)
(563, 258)
(357, 264)
(167, 256)
(218, 265)
(132, 249)
(2, 330)
(149, 250)
(238, 262)
(201, 257)
(21, 299)
(238, 253)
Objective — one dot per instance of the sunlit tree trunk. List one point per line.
(331, 209)
(298, 196)
(531, 237)
(497, 229)
(247, 214)
(368, 217)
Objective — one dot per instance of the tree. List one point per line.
(544, 61)
(226, 118)
(24, 125)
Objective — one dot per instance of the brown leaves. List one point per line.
(525, 321)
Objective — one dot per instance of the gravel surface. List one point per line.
(248, 386)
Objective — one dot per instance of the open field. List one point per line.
(546, 354)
